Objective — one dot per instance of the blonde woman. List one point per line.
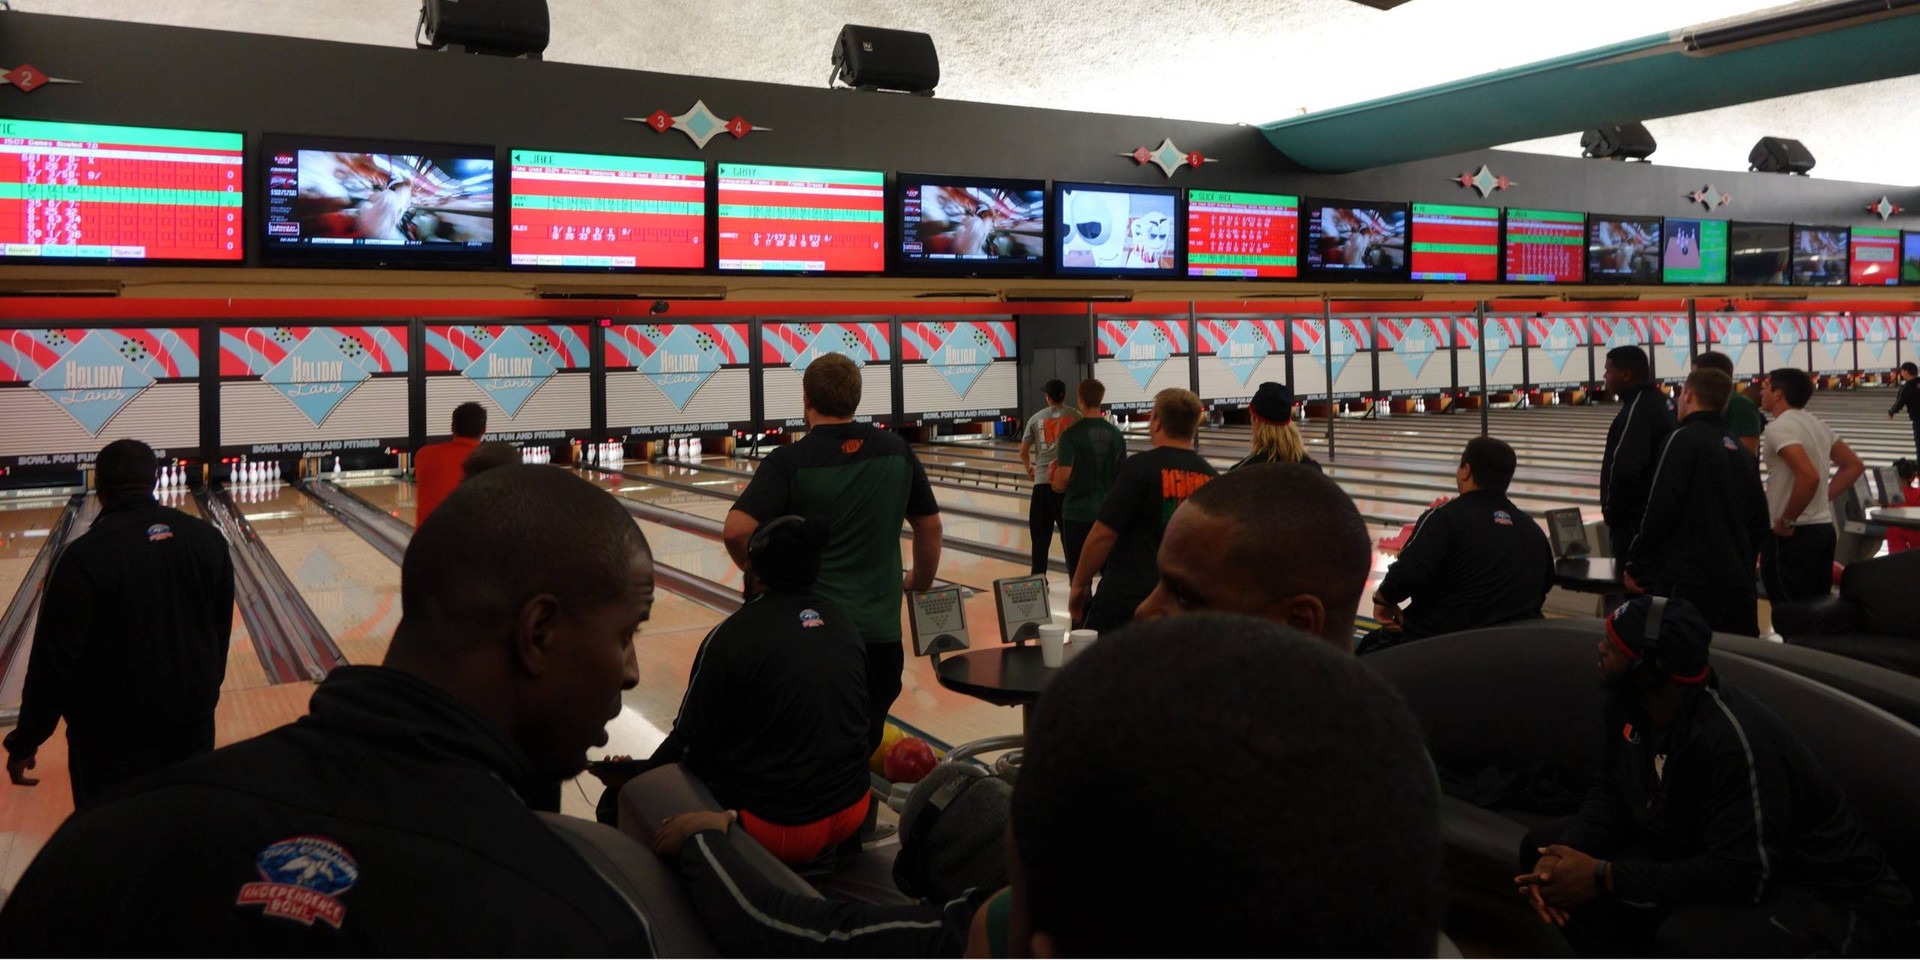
(1276, 438)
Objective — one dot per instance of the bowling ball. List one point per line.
(909, 761)
(878, 762)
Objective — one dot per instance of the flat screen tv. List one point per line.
(1243, 235)
(1623, 249)
(1875, 256)
(86, 193)
(1456, 244)
(1116, 230)
(1355, 239)
(967, 225)
(587, 211)
(1759, 254)
(774, 219)
(1695, 251)
(1545, 246)
(1819, 256)
(1910, 257)
(365, 202)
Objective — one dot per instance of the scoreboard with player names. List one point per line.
(802, 219)
(91, 192)
(1546, 246)
(1242, 235)
(592, 210)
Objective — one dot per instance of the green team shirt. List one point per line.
(863, 481)
(1743, 417)
(1094, 448)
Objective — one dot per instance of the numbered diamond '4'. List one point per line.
(315, 376)
(1143, 355)
(92, 382)
(1246, 346)
(961, 359)
(509, 371)
(680, 367)
(1415, 347)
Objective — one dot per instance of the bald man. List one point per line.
(392, 819)
(1277, 541)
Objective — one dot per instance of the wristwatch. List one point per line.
(1600, 878)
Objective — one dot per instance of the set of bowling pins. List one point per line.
(536, 454)
(608, 456)
(172, 477)
(256, 473)
(683, 447)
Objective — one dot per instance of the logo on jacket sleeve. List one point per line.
(811, 618)
(301, 879)
(159, 532)
(1503, 518)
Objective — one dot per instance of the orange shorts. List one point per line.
(798, 844)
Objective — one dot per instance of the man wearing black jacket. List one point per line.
(392, 819)
(1706, 516)
(1710, 830)
(1475, 561)
(1634, 440)
(131, 647)
(1909, 399)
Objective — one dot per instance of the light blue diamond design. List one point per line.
(680, 366)
(1734, 342)
(962, 358)
(1495, 345)
(1786, 337)
(1245, 348)
(1415, 348)
(1834, 339)
(315, 376)
(832, 338)
(1142, 355)
(1876, 335)
(509, 371)
(1680, 344)
(1622, 336)
(1561, 342)
(1343, 347)
(92, 382)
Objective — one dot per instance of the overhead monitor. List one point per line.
(801, 219)
(970, 225)
(1875, 255)
(1245, 235)
(1759, 254)
(1546, 246)
(1355, 239)
(86, 193)
(1819, 256)
(1910, 257)
(368, 202)
(1696, 251)
(1114, 230)
(588, 211)
(1623, 249)
(1456, 244)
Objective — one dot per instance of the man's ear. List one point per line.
(1303, 612)
(534, 631)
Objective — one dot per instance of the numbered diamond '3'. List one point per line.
(1415, 347)
(315, 376)
(1143, 355)
(680, 367)
(92, 382)
(961, 359)
(509, 371)
(1246, 346)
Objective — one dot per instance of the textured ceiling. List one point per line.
(1221, 60)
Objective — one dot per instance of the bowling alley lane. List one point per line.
(352, 588)
(244, 669)
(25, 526)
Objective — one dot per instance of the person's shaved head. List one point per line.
(521, 594)
(1278, 541)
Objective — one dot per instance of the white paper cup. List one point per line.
(1082, 639)
(1053, 644)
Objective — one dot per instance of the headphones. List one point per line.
(910, 864)
(1650, 660)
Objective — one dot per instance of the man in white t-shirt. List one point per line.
(1039, 446)
(1796, 563)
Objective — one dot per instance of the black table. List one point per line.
(1905, 517)
(1596, 575)
(1008, 676)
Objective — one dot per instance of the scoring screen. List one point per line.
(802, 219)
(1242, 235)
(590, 210)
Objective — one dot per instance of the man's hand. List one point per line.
(17, 766)
(1389, 615)
(675, 830)
(1781, 528)
(613, 779)
(1030, 471)
(1563, 877)
(1529, 884)
(1079, 601)
(1633, 586)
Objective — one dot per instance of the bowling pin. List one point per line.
(336, 468)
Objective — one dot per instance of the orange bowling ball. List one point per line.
(909, 761)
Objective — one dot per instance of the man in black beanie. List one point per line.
(1710, 830)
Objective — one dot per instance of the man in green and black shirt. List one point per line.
(862, 482)
(1097, 447)
(1744, 422)
(1125, 541)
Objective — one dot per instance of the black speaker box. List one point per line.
(1628, 141)
(875, 58)
(509, 28)
(1780, 155)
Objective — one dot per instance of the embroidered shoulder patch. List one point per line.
(301, 879)
(158, 532)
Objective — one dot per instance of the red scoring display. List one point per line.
(591, 210)
(802, 219)
(94, 192)
(1546, 246)
(1456, 243)
(1242, 234)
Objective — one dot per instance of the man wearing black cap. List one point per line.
(1276, 438)
(131, 647)
(1710, 830)
(1475, 561)
(1039, 448)
(774, 719)
(1634, 440)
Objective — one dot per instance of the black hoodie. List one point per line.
(389, 821)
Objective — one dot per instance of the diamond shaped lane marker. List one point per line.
(26, 76)
(92, 382)
(831, 338)
(509, 371)
(1495, 345)
(315, 376)
(1243, 351)
(683, 364)
(962, 358)
(1143, 354)
(1560, 344)
(1734, 342)
(1415, 347)
(1340, 341)
(1834, 340)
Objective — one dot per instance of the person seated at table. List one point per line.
(1710, 830)
(774, 719)
(1275, 437)
(1277, 541)
(1475, 561)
